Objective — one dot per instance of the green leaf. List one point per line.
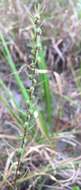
(45, 84)
(75, 188)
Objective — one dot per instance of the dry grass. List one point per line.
(53, 163)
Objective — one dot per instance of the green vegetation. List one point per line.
(37, 155)
(75, 188)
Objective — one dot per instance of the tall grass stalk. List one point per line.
(38, 55)
(32, 110)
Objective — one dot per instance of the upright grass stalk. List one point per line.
(31, 109)
(39, 59)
